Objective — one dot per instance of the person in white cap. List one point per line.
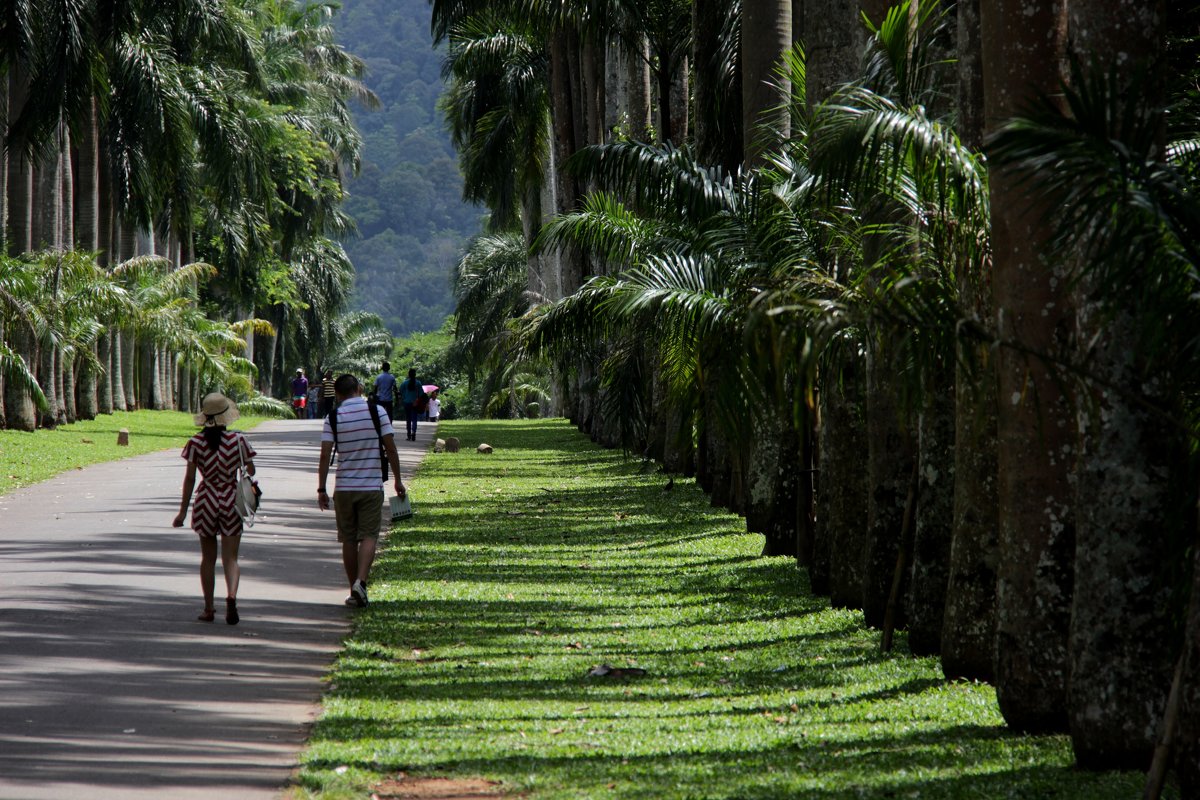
(217, 453)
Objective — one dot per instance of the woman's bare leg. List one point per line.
(229, 564)
(208, 568)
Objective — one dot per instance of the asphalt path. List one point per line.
(109, 687)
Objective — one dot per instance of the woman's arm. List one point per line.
(189, 483)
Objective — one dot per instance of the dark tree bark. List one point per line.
(1023, 44)
(890, 453)
(717, 116)
(934, 523)
(969, 628)
(842, 493)
(1187, 760)
(1134, 518)
(766, 36)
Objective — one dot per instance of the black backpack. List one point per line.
(374, 407)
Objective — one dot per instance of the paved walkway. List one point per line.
(109, 688)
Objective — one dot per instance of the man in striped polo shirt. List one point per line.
(358, 500)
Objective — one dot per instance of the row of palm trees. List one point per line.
(932, 335)
(172, 185)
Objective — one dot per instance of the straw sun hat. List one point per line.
(216, 409)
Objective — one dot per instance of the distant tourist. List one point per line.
(435, 407)
(358, 429)
(299, 393)
(217, 453)
(385, 390)
(327, 394)
(412, 394)
(314, 396)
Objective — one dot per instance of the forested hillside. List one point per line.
(407, 201)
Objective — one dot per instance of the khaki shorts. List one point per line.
(359, 515)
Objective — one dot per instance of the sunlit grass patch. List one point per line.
(525, 569)
(27, 458)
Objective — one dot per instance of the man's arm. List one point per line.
(389, 444)
(323, 475)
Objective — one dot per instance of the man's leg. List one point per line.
(350, 560)
(366, 557)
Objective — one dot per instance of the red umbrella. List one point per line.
(429, 388)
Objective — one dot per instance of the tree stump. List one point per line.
(452, 444)
(123, 437)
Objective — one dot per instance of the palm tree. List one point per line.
(1022, 46)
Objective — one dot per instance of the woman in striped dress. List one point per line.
(216, 453)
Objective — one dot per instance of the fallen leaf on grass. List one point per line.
(609, 671)
(557, 731)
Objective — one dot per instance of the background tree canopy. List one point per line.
(408, 200)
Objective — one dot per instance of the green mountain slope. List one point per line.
(407, 201)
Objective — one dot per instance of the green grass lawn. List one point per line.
(525, 569)
(27, 458)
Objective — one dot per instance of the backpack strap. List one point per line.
(383, 459)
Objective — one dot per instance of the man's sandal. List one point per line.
(208, 615)
(231, 615)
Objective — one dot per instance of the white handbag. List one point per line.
(246, 498)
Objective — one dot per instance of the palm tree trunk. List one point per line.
(679, 96)
(718, 119)
(129, 370)
(19, 410)
(890, 454)
(1023, 45)
(1187, 760)
(104, 384)
(935, 517)
(20, 177)
(116, 370)
(66, 369)
(766, 35)
(45, 375)
(1135, 514)
(67, 191)
(969, 627)
(87, 186)
(185, 386)
(842, 493)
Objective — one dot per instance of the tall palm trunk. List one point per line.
(717, 134)
(891, 449)
(19, 411)
(766, 35)
(104, 384)
(1135, 516)
(969, 627)
(926, 608)
(127, 249)
(1023, 44)
(842, 492)
(47, 233)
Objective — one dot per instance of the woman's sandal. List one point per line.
(231, 615)
(208, 615)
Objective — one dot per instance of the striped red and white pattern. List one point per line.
(213, 512)
(359, 469)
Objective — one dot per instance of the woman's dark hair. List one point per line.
(212, 435)
(412, 373)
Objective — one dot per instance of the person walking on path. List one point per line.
(359, 430)
(411, 394)
(385, 390)
(434, 409)
(327, 394)
(299, 393)
(217, 453)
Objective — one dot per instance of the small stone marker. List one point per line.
(452, 444)
(486, 449)
(123, 437)
(439, 445)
